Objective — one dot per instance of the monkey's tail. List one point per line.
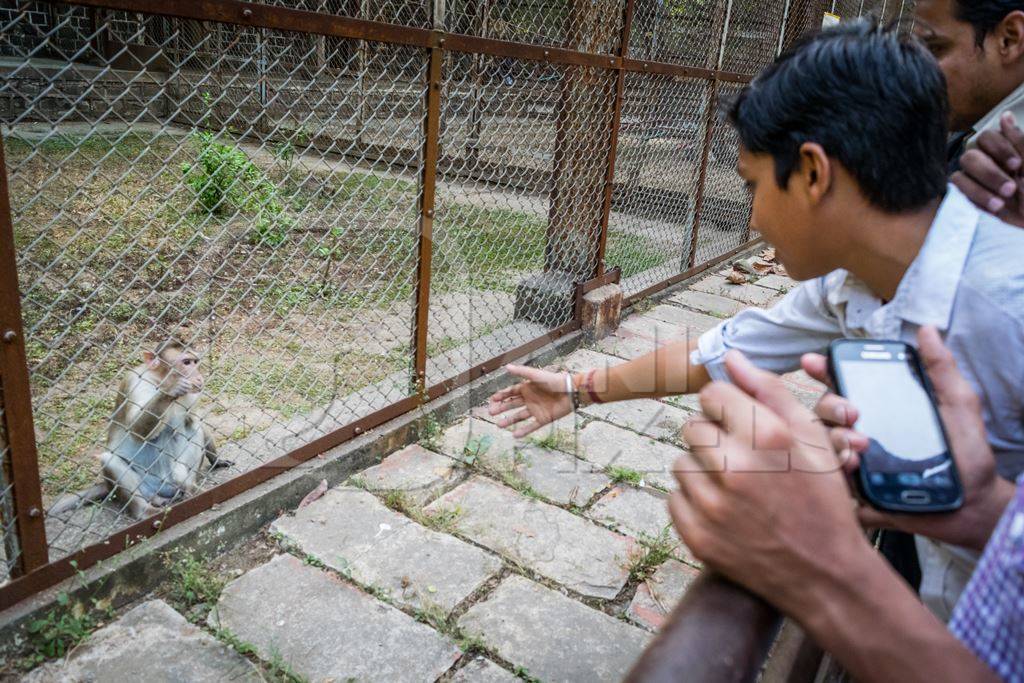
(73, 501)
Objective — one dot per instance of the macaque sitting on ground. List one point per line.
(155, 444)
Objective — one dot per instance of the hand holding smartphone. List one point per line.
(908, 466)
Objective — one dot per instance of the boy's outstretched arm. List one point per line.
(545, 396)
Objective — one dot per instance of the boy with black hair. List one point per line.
(842, 146)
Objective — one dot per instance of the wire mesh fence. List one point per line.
(251, 204)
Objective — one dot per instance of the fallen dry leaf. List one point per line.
(316, 493)
(767, 254)
(762, 268)
(736, 278)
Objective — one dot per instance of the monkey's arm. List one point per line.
(142, 406)
(210, 449)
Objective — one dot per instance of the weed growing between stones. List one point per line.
(61, 629)
(430, 430)
(444, 520)
(652, 552)
(194, 584)
(524, 674)
(621, 475)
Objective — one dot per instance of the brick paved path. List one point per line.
(549, 558)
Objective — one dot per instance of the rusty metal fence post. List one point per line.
(20, 466)
(432, 128)
(613, 146)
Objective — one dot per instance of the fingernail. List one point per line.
(995, 205)
(840, 414)
(1013, 163)
(1008, 188)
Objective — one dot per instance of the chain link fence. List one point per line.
(264, 197)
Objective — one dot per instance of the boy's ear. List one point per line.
(815, 171)
(1010, 36)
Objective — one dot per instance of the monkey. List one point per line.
(155, 443)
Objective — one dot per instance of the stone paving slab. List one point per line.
(482, 670)
(633, 511)
(690, 402)
(649, 417)
(554, 637)
(586, 359)
(747, 293)
(710, 304)
(657, 331)
(696, 323)
(557, 476)
(352, 532)
(326, 629)
(780, 283)
(475, 438)
(627, 345)
(556, 544)
(150, 643)
(610, 446)
(657, 596)
(420, 474)
(558, 434)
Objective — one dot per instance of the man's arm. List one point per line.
(870, 621)
(774, 339)
(763, 501)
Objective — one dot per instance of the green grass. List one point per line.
(350, 250)
(625, 475)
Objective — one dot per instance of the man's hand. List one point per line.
(533, 403)
(985, 494)
(761, 497)
(990, 175)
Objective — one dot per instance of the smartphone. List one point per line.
(908, 466)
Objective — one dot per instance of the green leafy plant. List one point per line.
(652, 552)
(226, 181)
(54, 634)
(193, 581)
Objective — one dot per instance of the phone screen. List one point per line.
(908, 459)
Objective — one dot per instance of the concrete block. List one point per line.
(601, 312)
(557, 544)
(326, 629)
(553, 637)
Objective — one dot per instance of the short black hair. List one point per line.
(875, 101)
(985, 15)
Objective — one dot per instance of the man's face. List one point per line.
(974, 75)
(782, 217)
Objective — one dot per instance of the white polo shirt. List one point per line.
(968, 281)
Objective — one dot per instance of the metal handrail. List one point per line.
(718, 632)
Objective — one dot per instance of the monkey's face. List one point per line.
(181, 373)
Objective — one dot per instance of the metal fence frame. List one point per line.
(35, 571)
